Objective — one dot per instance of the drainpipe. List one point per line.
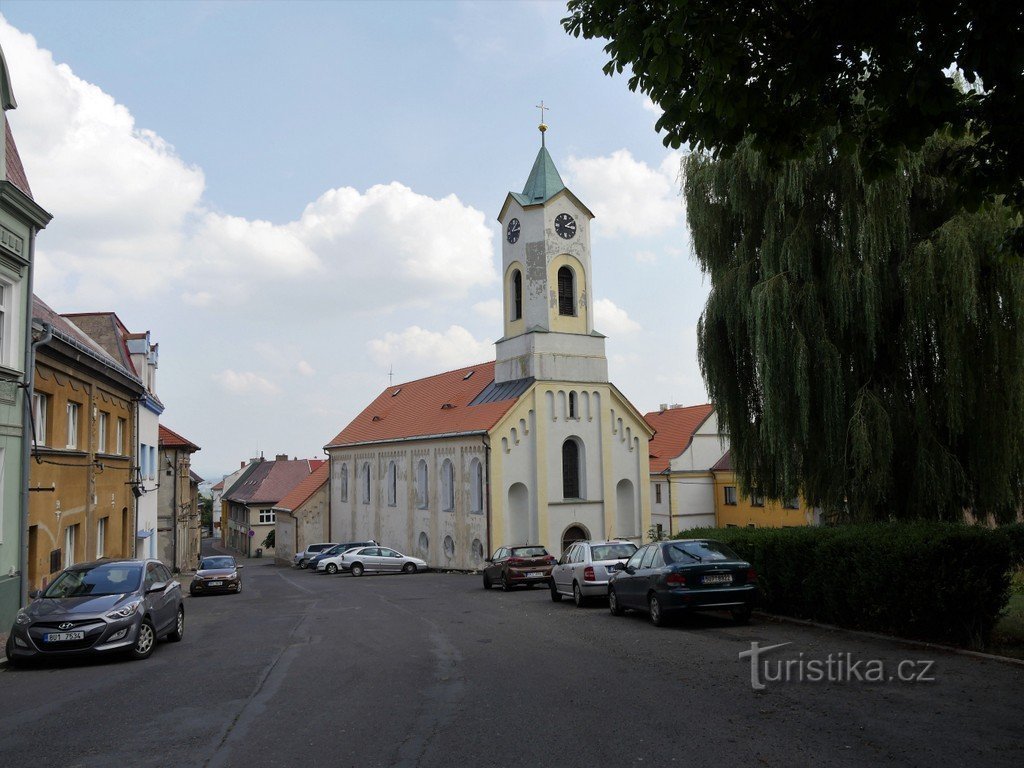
(487, 489)
(174, 513)
(28, 431)
(669, 502)
(131, 475)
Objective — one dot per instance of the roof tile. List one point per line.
(674, 428)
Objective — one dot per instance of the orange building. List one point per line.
(735, 510)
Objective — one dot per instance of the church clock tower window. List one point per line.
(517, 295)
(566, 292)
(570, 470)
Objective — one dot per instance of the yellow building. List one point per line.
(733, 510)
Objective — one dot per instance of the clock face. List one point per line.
(565, 226)
(512, 234)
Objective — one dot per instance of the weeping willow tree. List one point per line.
(863, 342)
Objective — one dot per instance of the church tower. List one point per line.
(548, 298)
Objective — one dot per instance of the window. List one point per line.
(573, 412)
(40, 407)
(657, 493)
(570, 470)
(343, 483)
(70, 539)
(392, 484)
(152, 462)
(119, 437)
(73, 409)
(422, 491)
(101, 430)
(648, 561)
(101, 537)
(793, 503)
(366, 482)
(730, 495)
(517, 294)
(9, 346)
(566, 292)
(476, 486)
(144, 460)
(757, 500)
(448, 486)
(267, 517)
(634, 561)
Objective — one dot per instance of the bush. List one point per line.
(1015, 538)
(930, 581)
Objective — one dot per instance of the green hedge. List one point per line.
(1015, 536)
(929, 581)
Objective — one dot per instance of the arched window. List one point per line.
(366, 482)
(573, 534)
(517, 294)
(570, 469)
(343, 482)
(573, 410)
(422, 494)
(566, 292)
(448, 486)
(392, 484)
(476, 486)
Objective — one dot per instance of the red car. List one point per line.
(518, 567)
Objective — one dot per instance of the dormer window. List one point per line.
(517, 295)
(566, 292)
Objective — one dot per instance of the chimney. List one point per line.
(281, 457)
(663, 407)
(241, 465)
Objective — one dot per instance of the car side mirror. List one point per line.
(159, 586)
(34, 594)
(239, 566)
(619, 567)
(629, 569)
(488, 560)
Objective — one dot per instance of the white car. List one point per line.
(380, 560)
(583, 570)
(334, 563)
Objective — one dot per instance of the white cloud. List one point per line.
(305, 368)
(418, 349)
(628, 196)
(245, 382)
(489, 310)
(650, 106)
(645, 257)
(613, 320)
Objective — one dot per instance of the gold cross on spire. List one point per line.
(542, 126)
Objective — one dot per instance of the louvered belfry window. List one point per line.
(566, 292)
(517, 295)
(570, 470)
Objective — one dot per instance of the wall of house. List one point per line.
(306, 525)
(178, 519)
(769, 514)
(146, 524)
(89, 481)
(661, 512)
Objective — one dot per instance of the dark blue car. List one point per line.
(671, 577)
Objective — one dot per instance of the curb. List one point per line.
(892, 638)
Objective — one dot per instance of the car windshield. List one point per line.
(528, 551)
(102, 579)
(613, 551)
(698, 552)
(333, 551)
(211, 563)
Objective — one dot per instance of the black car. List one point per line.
(337, 549)
(670, 577)
(216, 573)
(106, 606)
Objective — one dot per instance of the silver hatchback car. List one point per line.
(583, 570)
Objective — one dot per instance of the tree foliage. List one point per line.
(862, 339)
(784, 73)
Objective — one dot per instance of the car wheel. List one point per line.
(238, 587)
(178, 632)
(409, 568)
(654, 606)
(487, 581)
(577, 595)
(613, 604)
(357, 569)
(145, 641)
(505, 586)
(302, 563)
(741, 615)
(556, 596)
(331, 568)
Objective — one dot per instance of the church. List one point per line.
(534, 447)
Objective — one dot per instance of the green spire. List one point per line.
(544, 182)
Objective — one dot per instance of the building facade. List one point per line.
(303, 516)
(179, 524)
(734, 510)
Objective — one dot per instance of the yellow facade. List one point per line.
(735, 510)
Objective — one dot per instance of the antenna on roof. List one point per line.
(391, 375)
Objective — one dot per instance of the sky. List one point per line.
(297, 199)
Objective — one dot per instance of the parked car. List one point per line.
(302, 558)
(106, 606)
(584, 568)
(335, 552)
(217, 573)
(379, 560)
(518, 566)
(671, 577)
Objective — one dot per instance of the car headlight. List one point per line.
(22, 618)
(233, 576)
(126, 610)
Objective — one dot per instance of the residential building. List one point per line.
(251, 500)
(220, 506)
(303, 516)
(178, 516)
(534, 447)
(20, 219)
(733, 509)
(137, 353)
(687, 442)
(81, 505)
(216, 491)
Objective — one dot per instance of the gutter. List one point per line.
(28, 431)
(487, 489)
(415, 438)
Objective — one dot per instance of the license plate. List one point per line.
(56, 637)
(216, 583)
(534, 575)
(725, 578)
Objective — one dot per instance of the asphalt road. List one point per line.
(431, 670)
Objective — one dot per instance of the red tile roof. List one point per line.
(67, 330)
(218, 487)
(434, 406)
(301, 492)
(674, 428)
(271, 481)
(724, 464)
(170, 439)
(15, 170)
